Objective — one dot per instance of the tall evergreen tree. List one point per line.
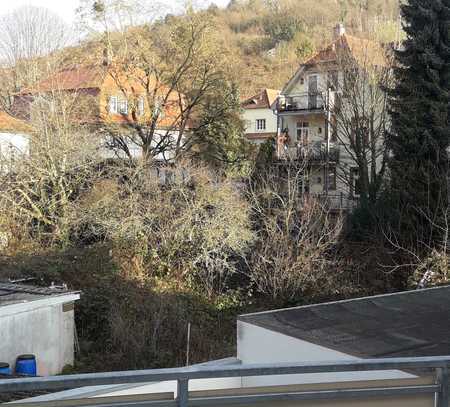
(419, 107)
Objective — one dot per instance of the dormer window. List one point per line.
(123, 106)
(113, 105)
(141, 106)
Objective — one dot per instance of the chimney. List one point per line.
(338, 31)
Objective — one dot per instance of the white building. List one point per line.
(309, 130)
(259, 117)
(38, 321)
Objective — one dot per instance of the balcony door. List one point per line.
(302, 134)
(313, 90)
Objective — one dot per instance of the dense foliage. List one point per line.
(420, 113)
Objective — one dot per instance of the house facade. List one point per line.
(308, 126)
(259, 118)
(109, 99)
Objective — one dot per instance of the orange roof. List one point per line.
(263, 100)
(11, 124)
(364, 51)
(73, 78)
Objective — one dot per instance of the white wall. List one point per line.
(12, 146)
(251, 115)
(41, 328)
(260, 345)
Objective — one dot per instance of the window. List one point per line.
(141, 106)
(302, 133)
(302, 81)
(355, 182)
(331, 179)
(123, 106)
(113, 104)
(333, 80)
(261, 124)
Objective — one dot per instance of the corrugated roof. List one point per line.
(262, 100)
(412, 323)
(9, 124)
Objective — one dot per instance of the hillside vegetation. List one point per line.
(269, 38)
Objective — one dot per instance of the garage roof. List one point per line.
(20, 293)
(412, 323)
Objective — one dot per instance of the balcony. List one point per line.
(301, 102)
(337, 201)
(314, 153)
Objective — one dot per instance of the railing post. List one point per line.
(443, 381)
(182, 392)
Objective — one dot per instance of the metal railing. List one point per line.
(338, 200)
(313, 152)
(438, 365)
(317, 152)
(301, 101)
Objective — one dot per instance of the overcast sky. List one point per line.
(66, 8)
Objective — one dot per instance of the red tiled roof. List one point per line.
(363, 50)
(11, 124)
(73, 78)
(262, 100)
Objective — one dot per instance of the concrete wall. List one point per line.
(260, 345)
(41, 328)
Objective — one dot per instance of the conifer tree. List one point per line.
(419, 107)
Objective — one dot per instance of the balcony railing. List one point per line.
(315, 153)
(437, 390)
(337, 201)
(301, 102)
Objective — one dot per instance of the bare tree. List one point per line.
(167, 72)
(359, 117)
(29, 37)
(295, 235)
(40, 187)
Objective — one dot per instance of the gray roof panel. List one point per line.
(411, 323)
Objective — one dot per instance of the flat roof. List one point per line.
(11, 293)
(410, 323)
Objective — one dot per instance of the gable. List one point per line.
(363, 51)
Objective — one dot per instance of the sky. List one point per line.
(66, 8)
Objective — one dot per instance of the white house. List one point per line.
(308, 128)
(38, 321)
(260, 120)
